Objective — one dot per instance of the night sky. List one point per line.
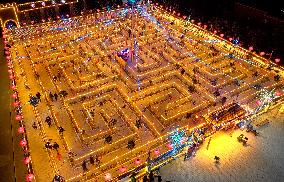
(272, 6)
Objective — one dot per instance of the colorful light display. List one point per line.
(182, 72)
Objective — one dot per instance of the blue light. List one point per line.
(176, 139)
(108, 8)
(236, 41)
(109, 22)
(131, 2)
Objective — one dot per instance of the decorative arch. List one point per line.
(10, 23)
(8, 13)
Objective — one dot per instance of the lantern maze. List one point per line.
(124, 81)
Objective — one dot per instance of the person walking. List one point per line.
(48, 120)
(55, 146)
(55, 96)
(51, 96)
(61, 130)
(38, 95)
(58, 156)
(48, 145)
(92, 161)
(84, 166)
(34, 125)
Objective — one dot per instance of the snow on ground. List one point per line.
(262, 160)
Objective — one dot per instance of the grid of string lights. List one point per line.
(43, 4)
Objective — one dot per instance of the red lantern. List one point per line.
(21, 130)
(122, 169)
(9, 65)
(178, 14)
(16, 104)
(258, 102)
(32, 22)
(277, 60)
(221, 35)
(184, 17)
(23, 143)
(230, 39)
(15, 95)
(205, 26)
(29, 177)
(67, 15)
(42, 20)
(199, 23)
(10, 71)
(262, 53)
(5, 42)
(250, 48)
(278, 93)
(215, 31)
(6, 48)
(169, 146)
(98, 10)
(11, 77)
(107, 176)
(8, 57)
(192, 21)
(13, 87)
(157, 152)
(174, 12)
(27, 160)
(4, 36)
(137, 161)
(18, 117)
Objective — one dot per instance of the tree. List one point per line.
(145, 178)
(131, 144)
(151, 176)
(217, 159)
(108, 139)
(133, 179)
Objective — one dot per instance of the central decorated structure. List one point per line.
(120, 92)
